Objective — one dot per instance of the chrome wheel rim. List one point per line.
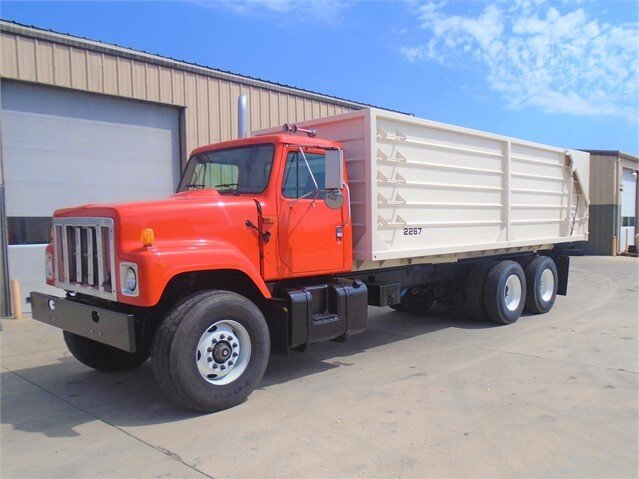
(223, 352)
(512, 292)
(546, 285)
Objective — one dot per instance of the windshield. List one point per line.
(234, 171)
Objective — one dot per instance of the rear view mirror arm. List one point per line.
(309, 169)
(348, 199)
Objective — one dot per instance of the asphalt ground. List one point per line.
(437, 396)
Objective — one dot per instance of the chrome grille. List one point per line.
(84, 255)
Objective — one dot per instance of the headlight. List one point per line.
(48, 266)
(129, 279)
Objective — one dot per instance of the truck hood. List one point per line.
(193, 216)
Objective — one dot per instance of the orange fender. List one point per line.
(157, 265)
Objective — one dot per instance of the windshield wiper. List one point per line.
(229, 186)
(199, 186)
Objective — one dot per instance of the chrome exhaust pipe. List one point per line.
(242, 116)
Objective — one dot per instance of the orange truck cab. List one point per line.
(252, 255)
(251, 243)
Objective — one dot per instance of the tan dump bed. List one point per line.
(423, 191)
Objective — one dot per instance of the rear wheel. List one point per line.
(475, 290)
(505, 292)
(211, 350)
(415, 300)
(102, 356)
(541, 277)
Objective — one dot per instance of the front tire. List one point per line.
(541, 277)
(505, 292)
(211, 350)
(102, 356)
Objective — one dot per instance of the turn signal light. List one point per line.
(147, 237)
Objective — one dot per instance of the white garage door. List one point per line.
(63, 148)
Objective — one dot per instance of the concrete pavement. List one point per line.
(437, 396)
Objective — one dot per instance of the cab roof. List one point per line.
(297, 140)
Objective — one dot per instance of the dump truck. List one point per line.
(284, 239)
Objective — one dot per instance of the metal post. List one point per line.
(242, 116)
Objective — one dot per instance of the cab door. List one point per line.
(311, 235)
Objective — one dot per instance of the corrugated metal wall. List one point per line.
(209, 102)
(604, 209)
(603, 171)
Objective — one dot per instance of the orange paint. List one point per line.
(201, 230)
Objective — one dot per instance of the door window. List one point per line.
(298, 181)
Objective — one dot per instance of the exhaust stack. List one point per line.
(242, 116)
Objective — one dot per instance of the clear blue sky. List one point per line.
(559, 72)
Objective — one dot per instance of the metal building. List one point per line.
(614, 203)
(83, 121)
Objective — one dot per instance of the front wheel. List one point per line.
(211, 350)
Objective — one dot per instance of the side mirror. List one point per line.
(334, 172)
(334, 199)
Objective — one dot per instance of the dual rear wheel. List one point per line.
(542, 274)
(500, 291)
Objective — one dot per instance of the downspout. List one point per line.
(636, 211)
(5, 293)
(617, 199)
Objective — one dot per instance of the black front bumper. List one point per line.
(103, 325)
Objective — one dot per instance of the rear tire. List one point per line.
(211, 350)
(541, 277)
(505, 292)
(102, 356)
(475, 290)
